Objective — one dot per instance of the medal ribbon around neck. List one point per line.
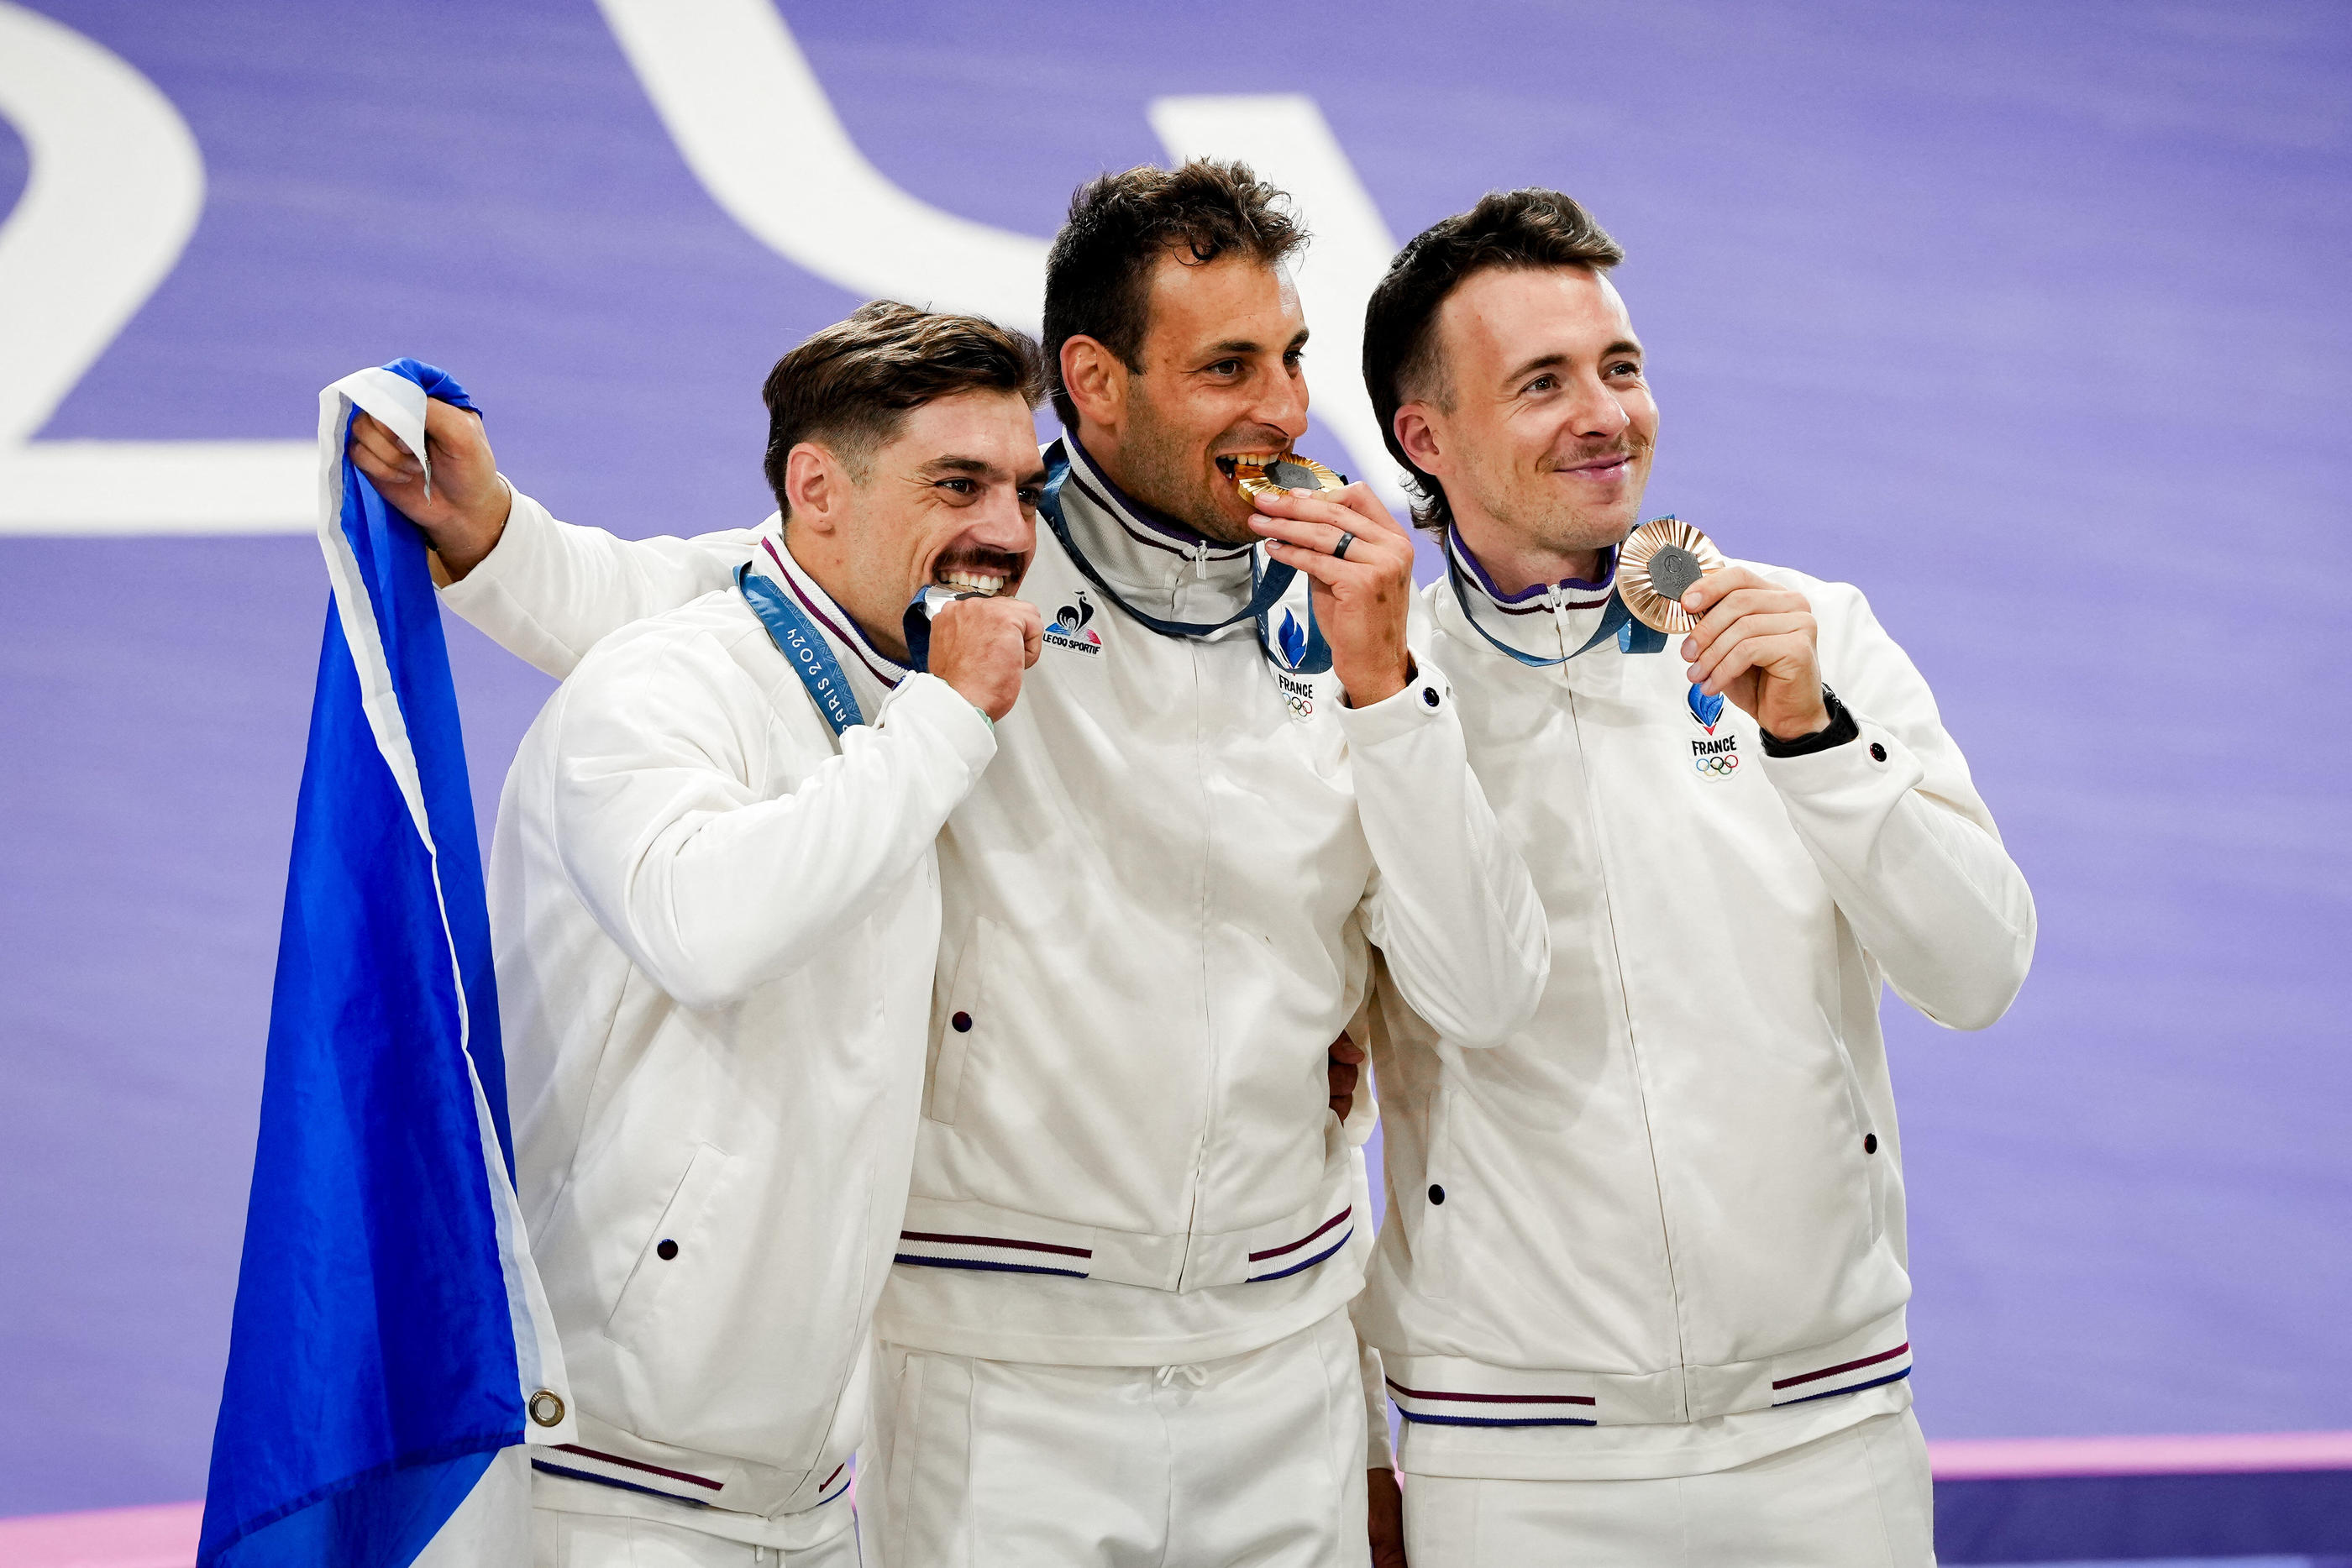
(1616, 621)
(803, 648)
(1266, 589)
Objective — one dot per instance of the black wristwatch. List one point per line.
(1840, 730)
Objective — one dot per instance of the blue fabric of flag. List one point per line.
(372, 1368)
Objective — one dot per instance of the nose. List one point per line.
(1282, 399)
(1597, 414)
(999, 523)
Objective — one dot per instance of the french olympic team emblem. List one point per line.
(1069, 629)
(1289, 647)
(1290, 640)
(1717, 758)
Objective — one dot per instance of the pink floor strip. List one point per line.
(162, 1536)
(165, 1535)
(1997, 1458)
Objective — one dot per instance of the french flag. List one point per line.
(392, 1349)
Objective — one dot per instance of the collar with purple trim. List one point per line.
(873, 675)
(1156, 564)
(1549, 621)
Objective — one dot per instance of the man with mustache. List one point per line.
(1640, 1292)
(714, 902)
(1117, 1331)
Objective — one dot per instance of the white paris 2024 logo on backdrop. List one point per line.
(118, 184)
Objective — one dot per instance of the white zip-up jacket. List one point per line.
(1160, 907)
(1660, 1231)
(714, 932)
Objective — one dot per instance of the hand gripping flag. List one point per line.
(391, 1347)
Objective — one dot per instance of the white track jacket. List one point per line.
(1660, 1231)
(714, 929)
(1160, 907)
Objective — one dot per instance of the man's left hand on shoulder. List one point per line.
(1362, 593)
(1757, 644)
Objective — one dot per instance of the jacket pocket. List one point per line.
(1437, 1204)
(675, 1248)
(1861, 1156)
(958, 1013)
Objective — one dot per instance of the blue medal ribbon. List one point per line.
(1616, 621)
(1266, 587)
(803, 648)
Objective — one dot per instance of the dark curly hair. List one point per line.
(1098, 275)
(1529, 228)
(852, 385)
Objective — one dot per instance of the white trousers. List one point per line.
(1856, 1498)
(564, 1540)
(1255, 1459)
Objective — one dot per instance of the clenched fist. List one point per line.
(981, 645)
(467, 511)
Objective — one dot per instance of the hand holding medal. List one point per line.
(1749, 639)
(1359, 561)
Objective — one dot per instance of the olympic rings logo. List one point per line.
(1721, 765)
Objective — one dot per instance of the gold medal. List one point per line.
(1281, 474)
(1660, 563)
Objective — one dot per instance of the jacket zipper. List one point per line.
(1632, 1046)
(1210, 1108)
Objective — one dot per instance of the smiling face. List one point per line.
(1541, 427)
(1221, 378)
(951, 500)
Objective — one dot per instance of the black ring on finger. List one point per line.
(1340, 550)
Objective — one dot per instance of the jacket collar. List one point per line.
(873, 674)
(1549, 621)
(1157, 564)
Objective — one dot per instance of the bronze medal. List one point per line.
(1662, 561)
(1281, 474)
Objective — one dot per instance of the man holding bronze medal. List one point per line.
(1116, 1328)
(1640, 1291)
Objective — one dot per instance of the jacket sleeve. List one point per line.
(1895, 825)
(1451, 905)
(711, 887)
(550, 592)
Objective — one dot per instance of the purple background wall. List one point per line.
(2029, 319)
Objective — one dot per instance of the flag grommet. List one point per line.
(547, 1407)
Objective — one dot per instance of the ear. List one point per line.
(1418, 437)
(815, 488)
(1097, 382)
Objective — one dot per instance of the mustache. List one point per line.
(975, 558)
(1626, 446)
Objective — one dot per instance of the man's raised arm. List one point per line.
(1451, 904)
(1876, 787)
(543, 590)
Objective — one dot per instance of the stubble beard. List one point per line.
(1555, 529)
(1160, 472)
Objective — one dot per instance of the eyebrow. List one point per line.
(1251, 345)
(981, 468)
(1549, 361)
(954, 464)
(1540, 363)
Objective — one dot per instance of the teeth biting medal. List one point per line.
(1660, 563)
(1258, 473)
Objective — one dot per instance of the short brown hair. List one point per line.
(1098, 275)
(852, 385)
(1524, 228)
